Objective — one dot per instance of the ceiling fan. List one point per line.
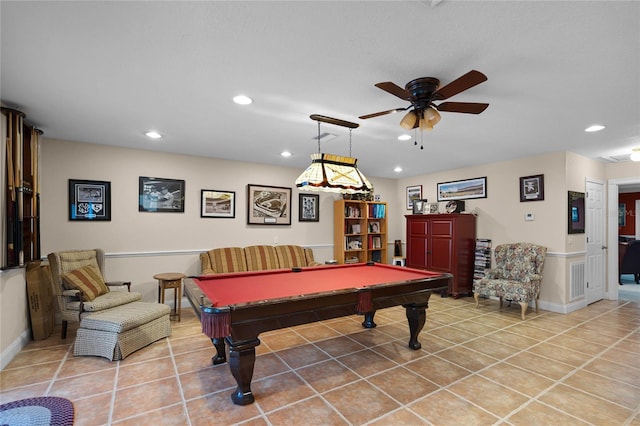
(422, 92)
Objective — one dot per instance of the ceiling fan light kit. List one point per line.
(333, 173)
(422, 92)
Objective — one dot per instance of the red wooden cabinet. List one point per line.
(443, 243)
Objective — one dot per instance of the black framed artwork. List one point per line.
(89, 200)
(220, 204)
(309, 208)
(160, 195)
(268, 205)
(576, 212)
(532, 188)
(463, 189)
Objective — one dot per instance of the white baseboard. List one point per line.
(14, 348)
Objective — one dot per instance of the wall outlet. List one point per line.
(528, 216)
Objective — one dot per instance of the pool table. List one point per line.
(237, 307)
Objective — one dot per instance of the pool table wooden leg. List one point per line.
(221, 352)
(416, 316)
(368, 320)
(242, 358)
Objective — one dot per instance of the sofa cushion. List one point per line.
(228, 259)
(260, 258)
(291, 256)
(88, 280)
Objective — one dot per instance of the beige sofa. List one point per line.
(255, 258)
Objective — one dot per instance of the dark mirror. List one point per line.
(576, 212)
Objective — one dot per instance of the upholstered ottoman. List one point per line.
(117, 332)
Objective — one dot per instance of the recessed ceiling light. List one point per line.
(286, 154)
(398, 169)
(153, 134)
(242, 100)
(404, 137)
(594, 128)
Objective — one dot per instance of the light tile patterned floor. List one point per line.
(476, 367)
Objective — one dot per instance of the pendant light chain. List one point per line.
(350, 130)
(318, 137)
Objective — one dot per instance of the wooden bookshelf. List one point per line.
(360, 231)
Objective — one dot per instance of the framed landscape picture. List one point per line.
(89, 200)
(214, 203)
(463, 189)
(309, 208)
(268, 205)
(160, 195)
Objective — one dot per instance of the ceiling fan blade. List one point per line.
(465, 107)
(378, 114)
(394, 89)
(467, 81)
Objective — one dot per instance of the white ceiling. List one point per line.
(106, 72)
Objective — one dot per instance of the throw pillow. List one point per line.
(88, 280)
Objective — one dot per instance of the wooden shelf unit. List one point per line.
(360, 231)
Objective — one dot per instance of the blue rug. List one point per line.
(629, 290)
(42, 411)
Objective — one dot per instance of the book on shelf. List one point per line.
(352, 211)
(353, 259)
(376, 256)
(353, 243)
(377, 211)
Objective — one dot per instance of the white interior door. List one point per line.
(596, 250)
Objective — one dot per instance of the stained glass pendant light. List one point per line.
(333, 173)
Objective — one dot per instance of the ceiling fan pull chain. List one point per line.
(350, 142)
(415, 137)
(318, 137)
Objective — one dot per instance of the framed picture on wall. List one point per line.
(160, 195)
(413, 193)
(532, 188)
(309, 208)
(214, 203)
(463, 189)
(268, 205)
(89, 200)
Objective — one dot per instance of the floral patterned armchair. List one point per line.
(516, 276)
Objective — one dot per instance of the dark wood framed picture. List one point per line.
(309, 208)
(413, 193)
(160, 195)
(268, 205)
(220, 204)
(89, 200)
(532, 188)
(576, 212)
(463, 189)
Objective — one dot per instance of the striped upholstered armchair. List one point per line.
(516, 276)
(78, 284)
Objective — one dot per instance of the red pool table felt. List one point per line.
(262, 286)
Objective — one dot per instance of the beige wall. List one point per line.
(501, 216)
(141, 244)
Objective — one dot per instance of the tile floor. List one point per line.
(476, 366)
